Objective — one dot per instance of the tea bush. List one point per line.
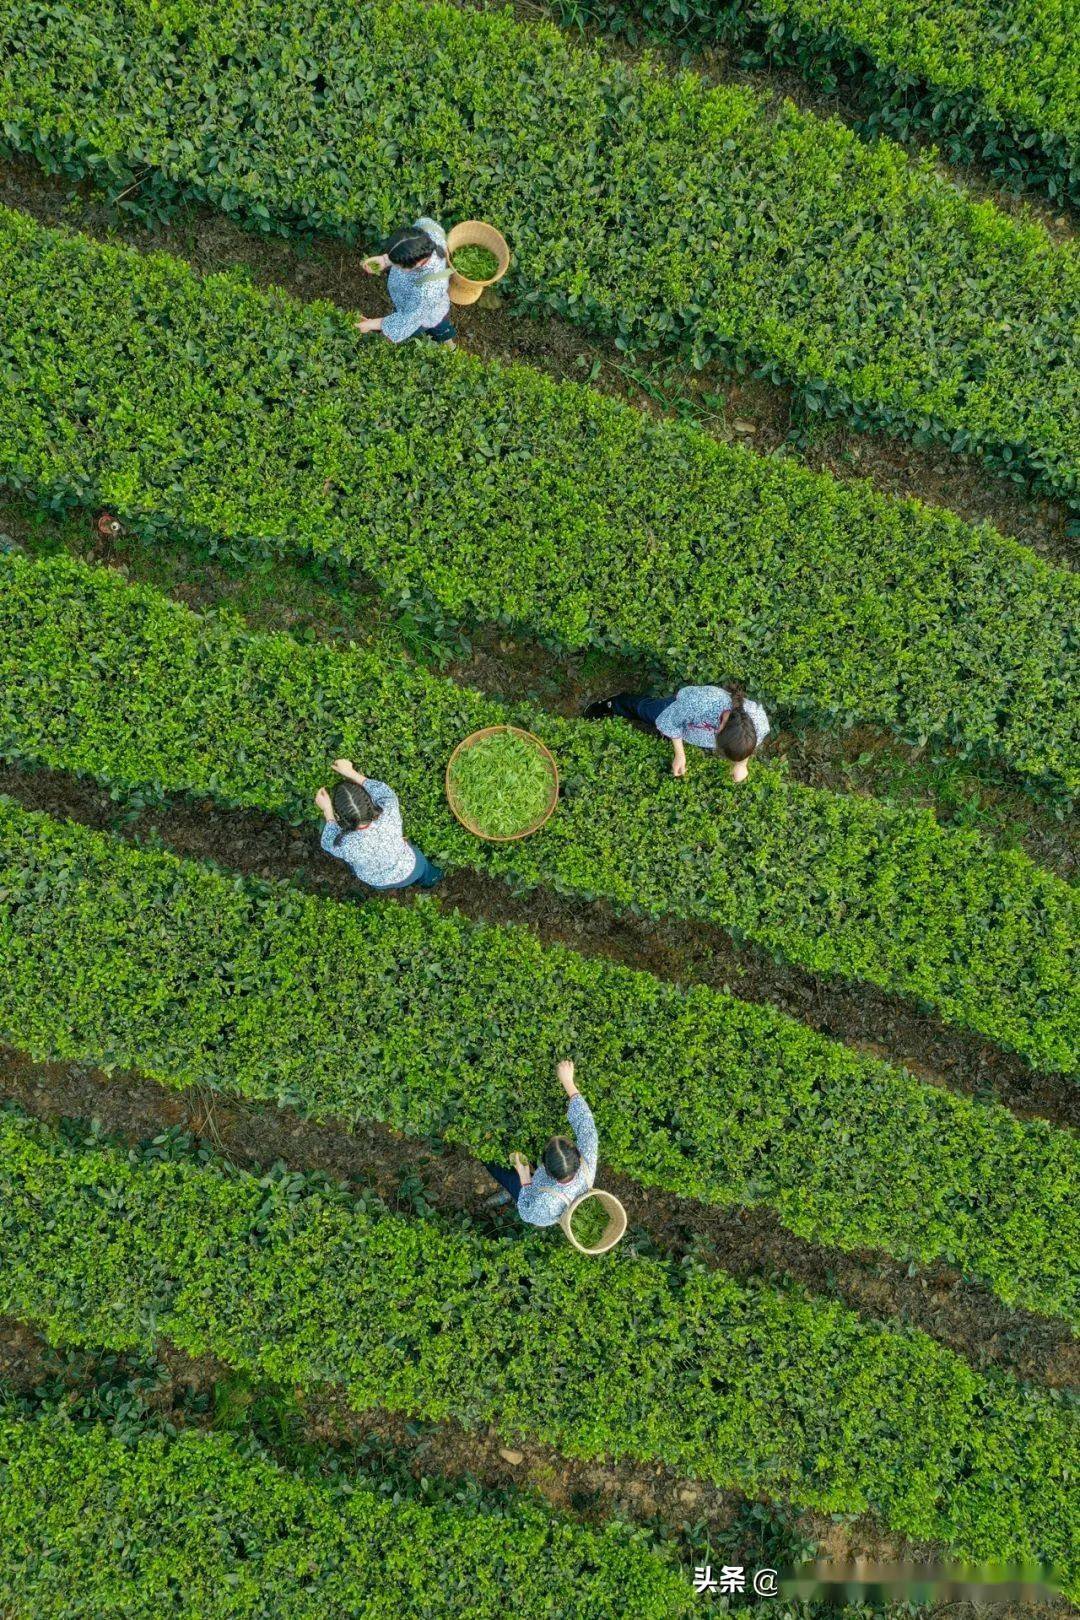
(751, 1386)
(1000, 88)
(246, 418)
(643, 204)
(121, 683)
(131, 1527)
(114, 956)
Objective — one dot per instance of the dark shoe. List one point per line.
(600, 710)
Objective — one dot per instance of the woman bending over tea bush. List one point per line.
(418, 283)
(363, 828)
(720, 719)
(568, 1168)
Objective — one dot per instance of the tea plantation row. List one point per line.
(247, 417)
(995, 88)
(643, 205)
(747, 1385)
(115, 956)
(128, 1527)
(121, 683)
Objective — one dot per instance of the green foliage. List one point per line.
(501, 784)
(100, 677)
(993, 85)
(589, 1223)
(196, 1527)
(753, 1387)
(646, 205)
(475, 263)
(248, 421)
(434, 1025)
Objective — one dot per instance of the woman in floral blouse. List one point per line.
(418, 282)
(720, 719)
(567, 1170)
(362, 827)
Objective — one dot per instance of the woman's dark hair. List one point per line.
(561, 1158)
(353, 806)
(738, 739)
(409, 247)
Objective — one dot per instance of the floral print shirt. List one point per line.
(694, 716)
(379, 855)
(421, 298)
(542, 1202)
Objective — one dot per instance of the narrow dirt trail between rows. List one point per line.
(870, 1020)
(428, 1175)
(314, 600)
(748, 411)
(687, 1517)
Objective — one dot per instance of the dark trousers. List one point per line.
(438, 334)
(507, 1178)
(641, 711)
(426, 876)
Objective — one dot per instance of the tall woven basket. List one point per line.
(616, 1224)
(474, 233)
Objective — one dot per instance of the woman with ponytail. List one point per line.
(418, 282)
(363, 829)
(720, 719)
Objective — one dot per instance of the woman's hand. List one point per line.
(322, 799)
(521, 1165)
(739, 770)
(348, 770)
(565, 1072)
(678, 764)
(369, 324)
(376, 263)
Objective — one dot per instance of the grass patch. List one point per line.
(502, 784)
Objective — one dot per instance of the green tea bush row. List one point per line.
(245, 418)
(434, 1025)
(747, 1385)
(642, 204)
(123, 684)
(1001, 90)
(194, 1521)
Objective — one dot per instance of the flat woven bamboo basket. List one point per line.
(474, 233)
(492, 731)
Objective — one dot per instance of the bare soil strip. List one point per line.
(413, 1175)
(314, 600)
(306, 1428)
(749, 411)
(864, 1017)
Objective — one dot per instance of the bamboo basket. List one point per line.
(504, 838)
(616, 1225)
(474, 233)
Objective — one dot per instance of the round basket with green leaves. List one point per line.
(502, 783)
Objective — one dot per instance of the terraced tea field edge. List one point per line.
(233, 1529)
(755, 1387)
(245, 419)
(1002, 92)
(125, 685)
(697, 1093)
(641, 204)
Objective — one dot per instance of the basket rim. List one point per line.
(492, 731)
(614, 1215)
(502, 259)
